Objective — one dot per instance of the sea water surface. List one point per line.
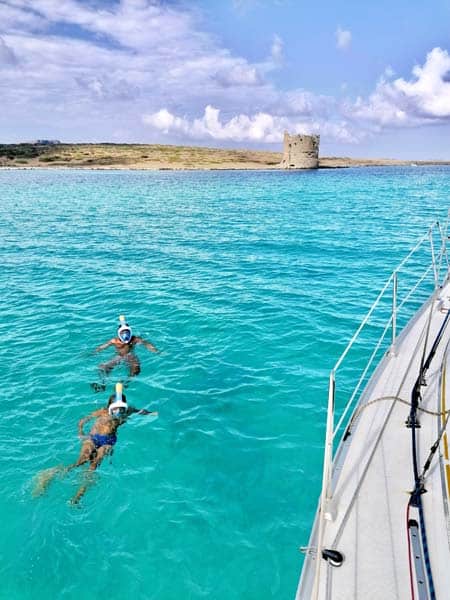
(249, 284)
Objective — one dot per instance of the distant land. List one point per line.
(159, 157)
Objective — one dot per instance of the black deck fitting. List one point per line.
(334, 557)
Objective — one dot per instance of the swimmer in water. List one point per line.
(97, 444)
(124, 344)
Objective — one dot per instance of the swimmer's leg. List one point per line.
(95, 462)
(87, 451)
(45, 477)
(106, 368)
(134, 366)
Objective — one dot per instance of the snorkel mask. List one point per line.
(124, 331)
(118, 409)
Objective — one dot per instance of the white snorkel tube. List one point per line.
(118, 408)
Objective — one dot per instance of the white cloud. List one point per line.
(13, 18)
(429, 94)
(401, 103)
(156, 42)
(244, 6)
(76, 72)
(164, 121)
(137, 52)
(7, 56)
(307, 104)
(135, 24)
(276, 50)
(220, 69)
(275, 58)
(343, 38)
(259, 127)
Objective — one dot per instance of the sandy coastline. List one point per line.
(159, 157)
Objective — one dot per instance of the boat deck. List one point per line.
(373, 477)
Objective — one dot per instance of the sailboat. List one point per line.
(382, 527)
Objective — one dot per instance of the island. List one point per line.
(44, 153)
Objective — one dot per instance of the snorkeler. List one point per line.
(98, 444)
(124, 344)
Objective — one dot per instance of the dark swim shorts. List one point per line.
(103, 440)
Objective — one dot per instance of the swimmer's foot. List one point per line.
(44, 478)
(75, 502)
(98, 387)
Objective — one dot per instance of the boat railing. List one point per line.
(438, 260)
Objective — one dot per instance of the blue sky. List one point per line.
(372, 78)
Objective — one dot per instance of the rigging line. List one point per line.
(441, 431)
(436, 343)
(360, 408)
(422, 361)
(358, 411)
(444, 232)
(413, 289)
(378, 298)
(442, 250)
(415, 395)
(416, 495)
(361, 379)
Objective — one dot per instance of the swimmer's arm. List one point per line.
(142, 411)
(105, 345)
(148, 345)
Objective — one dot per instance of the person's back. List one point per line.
(124, 348)
(104, 423)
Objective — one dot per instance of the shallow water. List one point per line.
(250, 284)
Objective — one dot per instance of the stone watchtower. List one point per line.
(300, 151)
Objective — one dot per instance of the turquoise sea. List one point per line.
(250, 284)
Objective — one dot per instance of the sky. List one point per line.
(371, 78)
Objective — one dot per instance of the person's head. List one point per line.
(117, 403)
(124, 331)
(117, 409)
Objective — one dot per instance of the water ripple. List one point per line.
(250, 284)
